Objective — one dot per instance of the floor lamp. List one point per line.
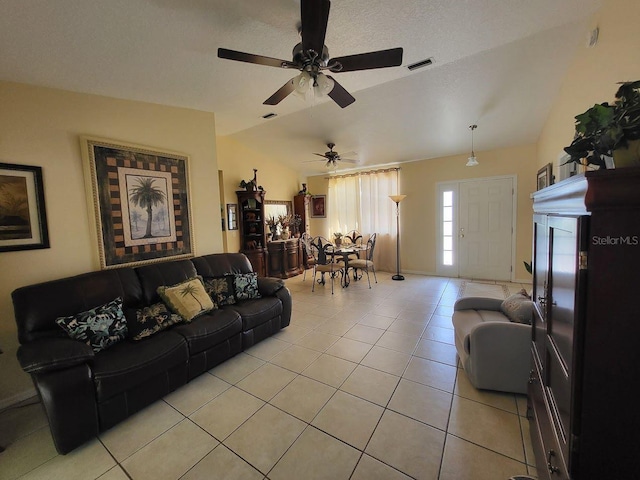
(397, 199)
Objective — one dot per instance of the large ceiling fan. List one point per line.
(311, 57)
(332, 157)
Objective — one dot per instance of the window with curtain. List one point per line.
(361, 202)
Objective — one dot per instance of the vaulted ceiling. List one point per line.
(497, 63)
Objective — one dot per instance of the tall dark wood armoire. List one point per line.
(585, 351)
(301, 204)
(253, 237)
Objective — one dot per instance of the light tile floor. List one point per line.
(364, 384)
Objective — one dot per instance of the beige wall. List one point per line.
(594, 74)
(418, 180)
(237, 163)
(40, 126)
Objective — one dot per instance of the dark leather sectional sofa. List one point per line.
(85, 393)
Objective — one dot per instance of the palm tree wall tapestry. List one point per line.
(141, 202)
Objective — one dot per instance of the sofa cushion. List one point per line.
(464, 321)
(245, 285)
(210, 329)
(151, 320)
(518, 308)
(129, 363)
(99, 327)
(188, 299)
(257, 312)
(221, 290)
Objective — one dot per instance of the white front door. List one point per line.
(476, 228)
(485, 229)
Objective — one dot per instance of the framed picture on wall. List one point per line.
(545, 176)
(23, 218)
(232, 216)
(318, 206)
(141, 202)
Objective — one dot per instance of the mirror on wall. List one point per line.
(274, 208)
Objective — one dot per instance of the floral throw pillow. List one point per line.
(246, 286)
(188, 299)
(99, 327)
(518, 307)
(221, 290)
(152, 319)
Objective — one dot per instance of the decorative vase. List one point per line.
(284, 235)
(627, 157)
(338, 242)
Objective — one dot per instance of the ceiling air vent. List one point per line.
(421, 63)
(270, 115)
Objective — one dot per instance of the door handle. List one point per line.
(552, 468)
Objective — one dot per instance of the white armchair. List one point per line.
(494, 352)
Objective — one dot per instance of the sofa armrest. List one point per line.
(477, 303)
(53, 354)
(268, 286)
(500, 356)
(285, 297)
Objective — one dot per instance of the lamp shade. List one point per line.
(397, 198)
(472, 161)
(324, 85)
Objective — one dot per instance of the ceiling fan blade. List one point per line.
(340, 95)
(315, 16)
(281, 94)
(321, 155)
(251, 58)
(366, 61)
(348, 160)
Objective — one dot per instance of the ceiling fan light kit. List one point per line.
(311, 57)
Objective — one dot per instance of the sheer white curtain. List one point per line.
(361, 202)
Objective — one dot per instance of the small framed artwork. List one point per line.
(318, 206)
(23, 218)
(232, 216)
(545, 176)
(141, 202)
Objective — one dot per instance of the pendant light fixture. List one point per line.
(472, 161)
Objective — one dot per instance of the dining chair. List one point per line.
(367, 262)
(307, 258)
(322, 251)
(354, 237)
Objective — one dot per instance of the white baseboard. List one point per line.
(17, 398)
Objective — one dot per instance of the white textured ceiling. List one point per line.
(498, 63)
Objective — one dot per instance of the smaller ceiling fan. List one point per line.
(333, 157)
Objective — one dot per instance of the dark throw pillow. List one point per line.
(99, 327)
(152, 319)
(246, 286)
(518, 308)
(221, 290)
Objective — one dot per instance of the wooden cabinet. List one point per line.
(301, 205)
(253, 238)
(285, 258)
(586, 254)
